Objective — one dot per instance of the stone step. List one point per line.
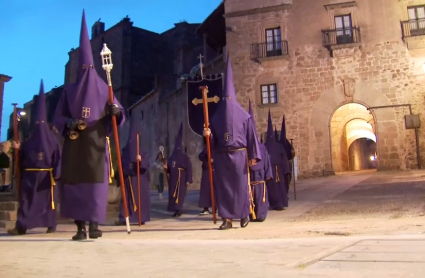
(112, 215)
(9, 206)
(8, 197)
(113, 208)
(8, 215)
(7, 224)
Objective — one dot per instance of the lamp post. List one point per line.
(16, 151)
(17, 114)
(107, 65)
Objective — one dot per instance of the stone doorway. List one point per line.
(353, 136)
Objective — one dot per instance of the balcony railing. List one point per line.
(413, 28)
(341, 36)
(269, 49)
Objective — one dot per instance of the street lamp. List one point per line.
(20, 113)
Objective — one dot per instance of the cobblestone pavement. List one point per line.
(304, 241)
(330, 257)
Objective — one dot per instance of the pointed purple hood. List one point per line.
(178, 143)
(283, 131)
(251, 113)
(276, 135)
(42, 138)
(86, 97)
(260, 164)
(178, 154)
(130, 150)
(230, 114)
(40, 113)
(270, 132)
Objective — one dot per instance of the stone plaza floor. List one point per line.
(353, 225)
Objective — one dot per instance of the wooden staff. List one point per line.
(107, 65)
(16, 150)
(293, 173)
(210, 170)
(139, 207)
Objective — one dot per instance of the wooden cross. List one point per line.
(201, 65)
(197, 101)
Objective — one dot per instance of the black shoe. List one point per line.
(16, 232)
(119, 223)
(258, 220)
(51, 230)
(177, 214)
(81, 230)
(278, 208)
(226, 225)
(94, 231)
(244, 222)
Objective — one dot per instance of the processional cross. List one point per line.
(204, 89)
(204, 100)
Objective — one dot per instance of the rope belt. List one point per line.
(52, 181)
(264, 188)
(177, 190)
(277, 174)
(111, 169)
(132, 194)
(251, 198)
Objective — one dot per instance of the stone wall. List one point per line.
(3, 79)
(313, 81)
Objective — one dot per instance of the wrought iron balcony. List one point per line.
(413, 28)
(269, 49)
(341, 36)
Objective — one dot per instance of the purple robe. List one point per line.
(290, 152)
(260, 173)
(39, 161)
(129, 164)
(276, 187)
(86, 164)
(205, 190)
(180, 173)
(131, 189)
(234, 144)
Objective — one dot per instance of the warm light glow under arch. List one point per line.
(359, 128)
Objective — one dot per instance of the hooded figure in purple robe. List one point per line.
(39, 163)
(276, 134)
(235, 147)
(205, 200)
(260, 173)
(129, 165)
(179, 169)
(278, 197)
(290, 152)
(86, 163)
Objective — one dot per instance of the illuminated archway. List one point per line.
(349, 123)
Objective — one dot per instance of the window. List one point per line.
(274, 42)
(416, 17)
(268, 94)
(344, 29)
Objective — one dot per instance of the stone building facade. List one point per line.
(3, 79)
(306, 59)
(165, 107)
